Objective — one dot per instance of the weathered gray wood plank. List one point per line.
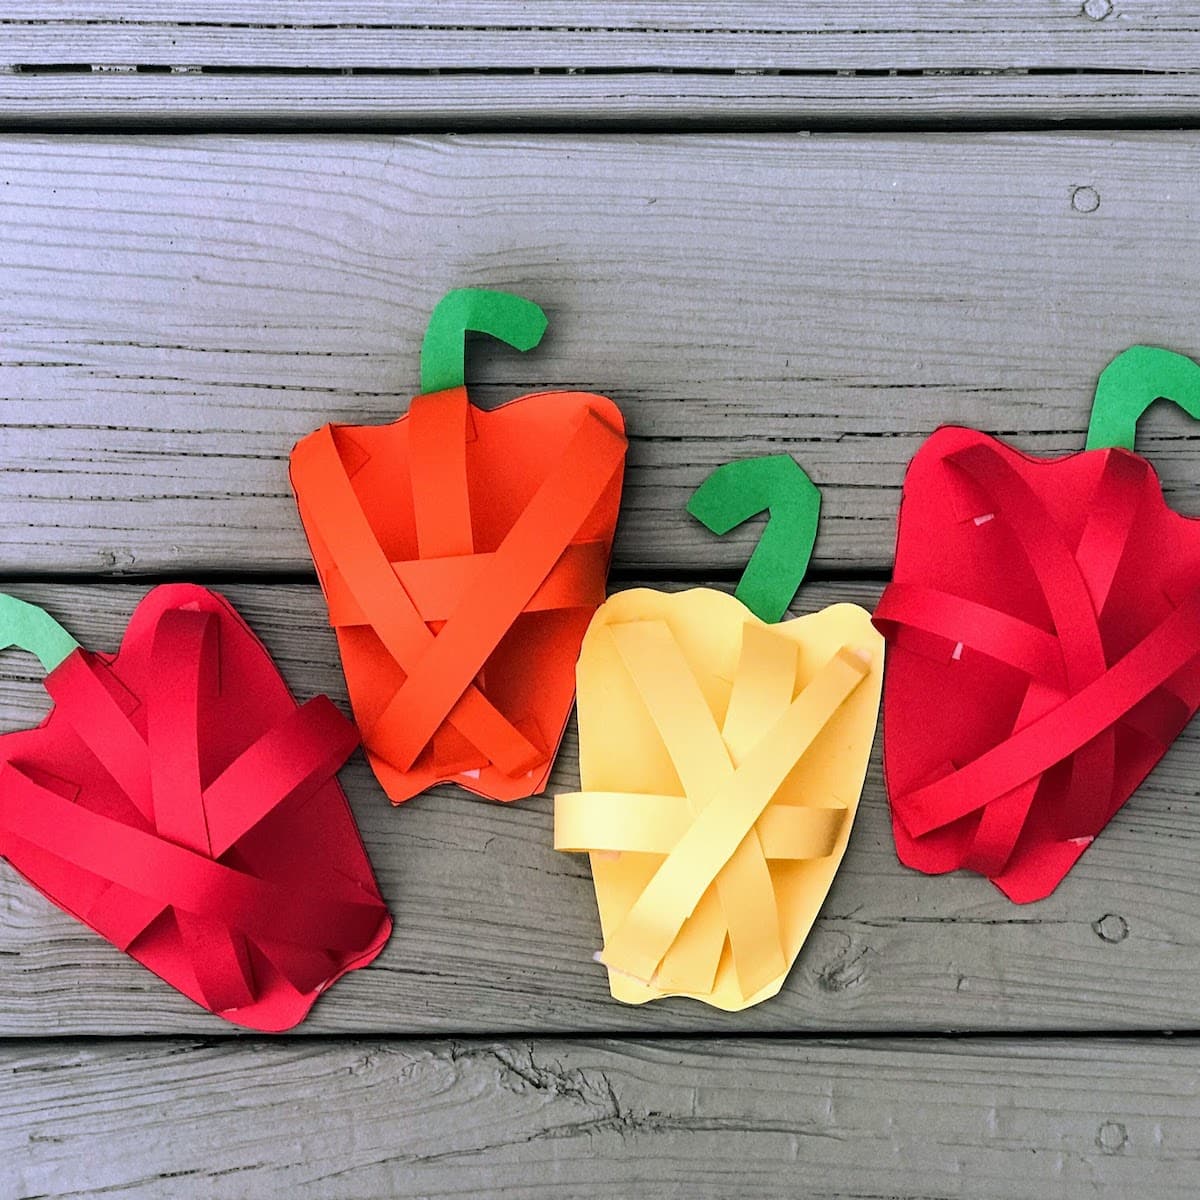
(610, 64)
(175, 313)
(902, 1120)
(571, 100)
(868, 34)
(495, 930)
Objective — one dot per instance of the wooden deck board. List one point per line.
(869, 34)
(564, 101)
(176, 312)
(900, 1120)
(619, 63)
(495, 930)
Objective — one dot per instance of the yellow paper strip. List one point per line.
(678, 708)
(716, 837)
(616, 822)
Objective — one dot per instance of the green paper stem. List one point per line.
(520, 323)
(31, 628)
(1130, 384)
(777, 485)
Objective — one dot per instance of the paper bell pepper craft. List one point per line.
(179, 802)
(721, 758)
(1044, 630)
(462, 554)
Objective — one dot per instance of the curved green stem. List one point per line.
(776, 484)
(502, 315)
(1131, 383)
(31, 628)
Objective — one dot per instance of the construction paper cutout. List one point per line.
(1130, 384)
(179, 802)
(462, 554)
(31, 628)
(511, 319)
(721, 759)
(1044, 630)
(775, 483)
(721, 762)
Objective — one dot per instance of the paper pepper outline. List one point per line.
(442, 610)
(1081, 690)
(156, 838)
(715, 829)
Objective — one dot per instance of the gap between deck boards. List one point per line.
(618, 577)
(632, 1037)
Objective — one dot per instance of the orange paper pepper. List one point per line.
(462, 554)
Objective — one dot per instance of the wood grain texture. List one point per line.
(176, 312)
(495, 930)
(563, 64)
(829, 34)
(868, 1119)
(567, 101)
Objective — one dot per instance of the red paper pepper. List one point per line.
(1044, 629)
(462, 554)
(179, 802)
